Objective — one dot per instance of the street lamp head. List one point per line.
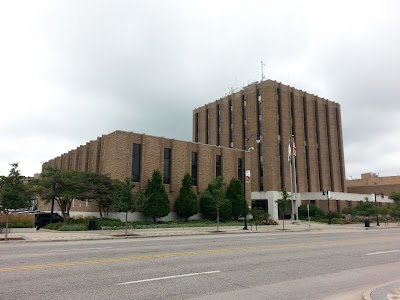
(258, 141)
(251, 148)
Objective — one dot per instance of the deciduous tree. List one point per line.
(98, 188)
(124, 200)
(62, 186)
(283, 205)
(13, 193)
(213, 201)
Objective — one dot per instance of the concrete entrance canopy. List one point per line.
(338, 200)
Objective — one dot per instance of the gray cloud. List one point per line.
(74, 70)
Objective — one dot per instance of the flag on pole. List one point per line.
(294, 149)
(289, 157)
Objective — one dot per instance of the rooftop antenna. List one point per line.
(262, 71)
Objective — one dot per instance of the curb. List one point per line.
(367, 294)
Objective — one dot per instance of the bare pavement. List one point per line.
(389, 290)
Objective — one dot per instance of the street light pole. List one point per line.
(244, 177)
(329, 210)
(376, 206)
(244, 185)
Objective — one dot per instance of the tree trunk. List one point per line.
(126, 223)
(101, 214)
(218, 218)
(6, 236)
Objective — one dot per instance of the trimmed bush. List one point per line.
(74, 227)
(54, 226)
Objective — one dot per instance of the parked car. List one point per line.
(43, 218)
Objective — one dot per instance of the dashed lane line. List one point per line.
(180, 254)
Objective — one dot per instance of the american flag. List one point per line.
(294, 149)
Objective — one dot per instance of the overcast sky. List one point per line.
(71, 71)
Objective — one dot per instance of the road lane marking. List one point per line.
(168, 277)
(382, 252)
(79, 249)
(188, 253)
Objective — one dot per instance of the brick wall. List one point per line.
(112, 155)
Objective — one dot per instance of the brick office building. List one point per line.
(267, 111)
(126, 154)
(271, 113)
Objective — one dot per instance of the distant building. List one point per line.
(371, 183)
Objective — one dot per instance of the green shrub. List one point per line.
(315, 212)
(74, 227)
(54, 226)
(102, 222)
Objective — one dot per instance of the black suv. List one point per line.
(43, 218)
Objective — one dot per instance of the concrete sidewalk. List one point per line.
(33, 235)
(389, 290)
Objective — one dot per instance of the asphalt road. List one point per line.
(283, 265)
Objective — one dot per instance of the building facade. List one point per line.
(126, 154)
(264, 116)
(247, 130)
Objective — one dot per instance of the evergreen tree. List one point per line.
(156, 204)
(186, 204)
(235, 194)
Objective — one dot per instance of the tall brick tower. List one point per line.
(271, 113)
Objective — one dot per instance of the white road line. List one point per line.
(383, 252)
(79, 249)
(168, 277)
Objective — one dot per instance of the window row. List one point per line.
(136, 165)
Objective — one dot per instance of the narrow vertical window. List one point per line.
(136, 165)
(167, 166)
(207, 119)
(292, 110)
(328, 131)
(340, 147)
(261, 166)
(240, 170)
(306, 143)
(260, 152)
(244, 110)
(318, 143)
(281, 149)
(194, 168)
(196, 139)
(230, 124)
(218, 125)
(218, 166)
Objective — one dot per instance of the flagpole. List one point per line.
(291, 178)
(295, 178)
